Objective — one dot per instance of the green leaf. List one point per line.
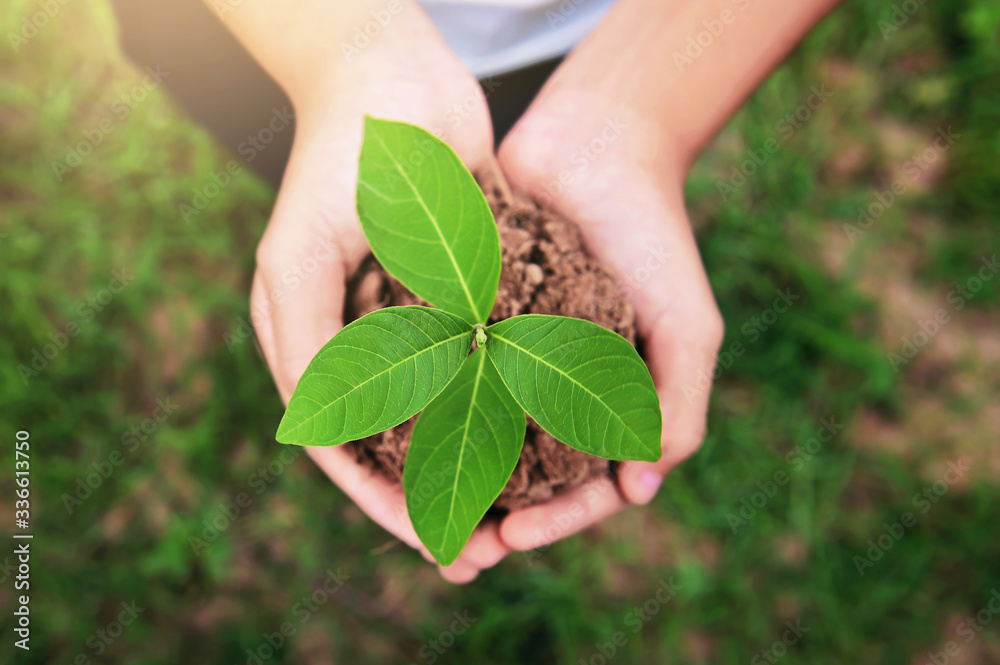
(584, 384)
(374, 374)
(463, 449)
(426, 219)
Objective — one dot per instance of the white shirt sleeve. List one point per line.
(497, 36)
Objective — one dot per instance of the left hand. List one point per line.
(592, 164)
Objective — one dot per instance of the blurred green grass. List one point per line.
(164, 337)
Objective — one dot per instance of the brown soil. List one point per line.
(546, 270)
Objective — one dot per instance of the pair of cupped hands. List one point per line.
(580, 153)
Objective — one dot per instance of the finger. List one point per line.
(381, 499)
(682, 331)
(312, 243)
(541, 525)
(301, 295)
(384, 502)
(263, 329)
(484, 549)
(293, 321)
(459, 573)
(682, 369)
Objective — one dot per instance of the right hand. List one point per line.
(314, 242)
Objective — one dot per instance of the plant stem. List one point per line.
(505, 193)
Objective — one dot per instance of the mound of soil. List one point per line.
(546, 270)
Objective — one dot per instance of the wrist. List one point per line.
(322, 52)
(417, 80)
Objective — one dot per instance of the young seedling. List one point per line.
(430, 226)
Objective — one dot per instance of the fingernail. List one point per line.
(649, 483)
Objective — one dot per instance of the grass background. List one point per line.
(164, 338)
